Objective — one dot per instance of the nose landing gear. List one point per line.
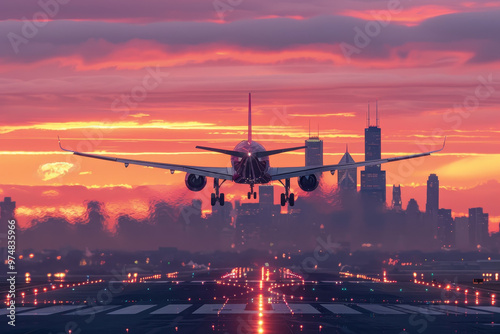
(251, 193)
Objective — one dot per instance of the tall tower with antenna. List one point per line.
(314, 150)
(368, 117)
(373, 178)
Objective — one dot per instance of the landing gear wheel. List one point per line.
(254, 195)
(249, 195)
(217, 197)
(287, 196)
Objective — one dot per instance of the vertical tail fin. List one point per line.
(249, 117)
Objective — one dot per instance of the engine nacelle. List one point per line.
(308, 182)
(195, 182)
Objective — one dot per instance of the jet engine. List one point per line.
(195, 182)
(308, 182)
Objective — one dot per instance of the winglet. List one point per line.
(444, 143)
(62, 148)
(442, 148)
(249, 118)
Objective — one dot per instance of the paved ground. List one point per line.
(252, 302)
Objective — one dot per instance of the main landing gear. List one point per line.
(217, 197)
(252, 193)
(287, 196)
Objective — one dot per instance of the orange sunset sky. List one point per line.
(152, 79)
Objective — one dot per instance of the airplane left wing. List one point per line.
(280, 173)
(215, 172)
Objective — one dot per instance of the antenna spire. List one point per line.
(368, 116)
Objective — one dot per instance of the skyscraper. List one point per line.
(266, 197)
(314, 150)
(445, 229)
(462, 233)
(373, 178)
(432, 205)
(347, 179)
(396, 198)
(7, 208)
(224, 213)
(412, 208)
(478, 227)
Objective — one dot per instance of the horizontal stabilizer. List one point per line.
(219, 150)
(273, 152)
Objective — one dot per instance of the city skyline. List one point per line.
(245, 224)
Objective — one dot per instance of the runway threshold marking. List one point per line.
(5, 311)
(340, 309)
(52, 310)
(241, 309)
(379, 309)
(172, 309)
(134, 309)
(494, 309)
(457, 309)
(296, 308)
(93, 310)
(279, 308)
(211, 308)
(418, 309)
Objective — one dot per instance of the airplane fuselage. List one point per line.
(250, 169)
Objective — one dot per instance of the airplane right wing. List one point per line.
(280, 173)
(224, 173)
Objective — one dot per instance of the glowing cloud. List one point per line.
(50, 193)
(342, 114)
(54, 170)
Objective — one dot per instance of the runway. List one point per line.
(253, 301)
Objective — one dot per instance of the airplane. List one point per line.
(250, 165)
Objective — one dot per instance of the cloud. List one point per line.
(54, 170)
(115, 125)
(467, 168)
(343, 114)
(227, 11)
(50, 193)
(445, 32)
(139, 115)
